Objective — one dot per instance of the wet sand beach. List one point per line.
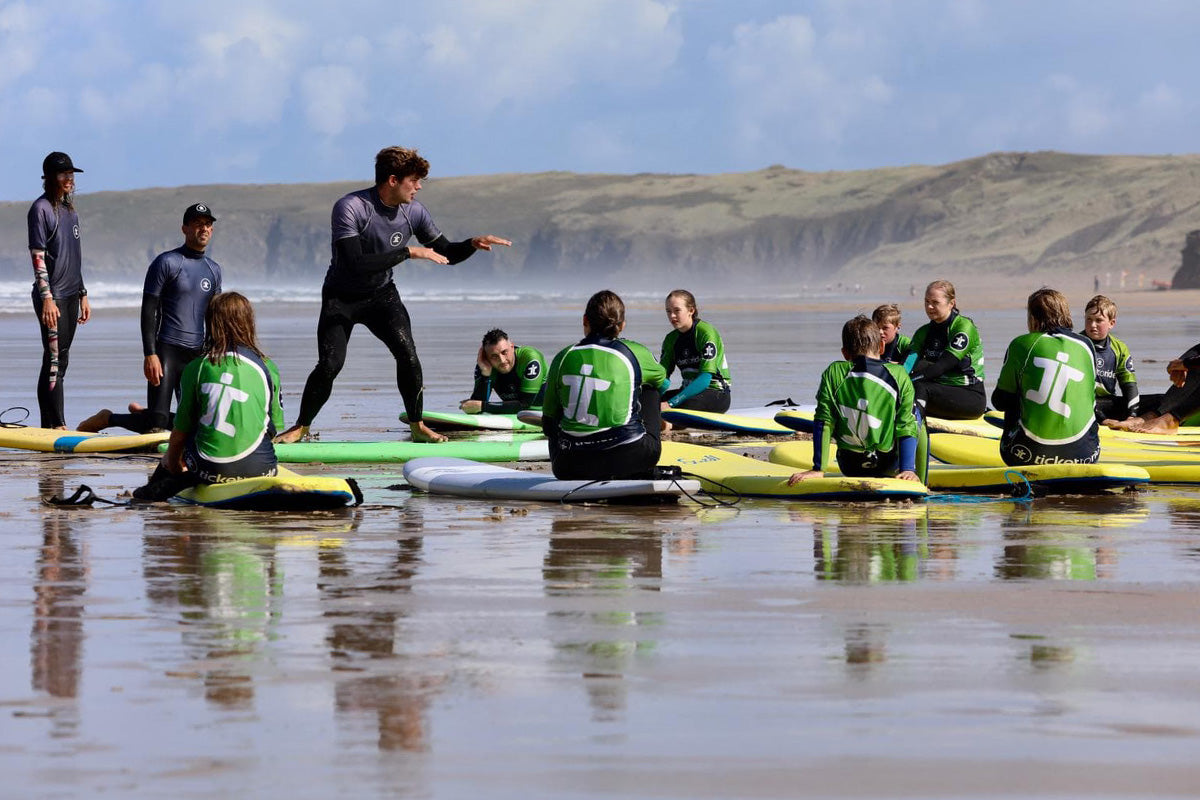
(421, 646)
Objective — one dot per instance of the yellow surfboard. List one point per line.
(50, 440)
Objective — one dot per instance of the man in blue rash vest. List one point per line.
(371, 231)
(517, 375)
(179, 285)
(59, 296)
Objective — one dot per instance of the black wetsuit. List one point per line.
(1181, 402)
(369, 239)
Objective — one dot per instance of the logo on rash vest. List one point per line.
(397, 239)
(533, 369)
(1021, 453)
(206, 285)
(75, 231)
(959, 342)
(710, 351)
(1099, 362)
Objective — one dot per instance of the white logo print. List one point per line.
(580, 396)
(860, 422)
(1056, 375)
(533, 369)
(221, 397)
(710, 351)
(397, 239)
(1021, 453)
(959, 342)
(75, 231)
(206, 284)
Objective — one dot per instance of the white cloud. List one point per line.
(20, 41)
(334, 95)
(1162, 100)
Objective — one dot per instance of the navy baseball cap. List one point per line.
(58, 162)
(197, 210)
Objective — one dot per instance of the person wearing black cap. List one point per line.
(371, 230)
(179, 285)
(59, 295)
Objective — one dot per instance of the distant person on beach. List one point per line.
(1114, 364)
(895, 344)
(865, 407)
(695, 346)
(59, 296)
(1164, 413)
(517, 375)
(371, 229)
(229, 408)
(1047, 389)
(948, 373)
(601, 412)
(179, 285)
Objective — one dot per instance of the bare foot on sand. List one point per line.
(292, 434)
(96, 422)
(422, 433)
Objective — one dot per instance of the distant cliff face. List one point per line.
(1005, 213)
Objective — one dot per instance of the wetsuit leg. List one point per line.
(950, 402)
(56, 353)
(713, 400)
(1111, 408)
(1182, 402)
(337, 320)
(388, 320)
(157, 415)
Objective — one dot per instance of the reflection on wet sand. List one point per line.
(367, 606)
(614, 561)
(56, 640)
(1065, 538)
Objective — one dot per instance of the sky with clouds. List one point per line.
(149, 93)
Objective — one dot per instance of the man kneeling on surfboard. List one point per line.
(516, 374)
(229, 408)
(865, 406)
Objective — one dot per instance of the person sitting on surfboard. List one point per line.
(601, 410)
(516, 374)
(1047, 389)
(696, 348)
(1114, 364)
(865, 406)
(948, 373)
(895, 344)
(1164, 413)
(229, 408)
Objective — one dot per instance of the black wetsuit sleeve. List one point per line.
(483, 386)
(1191, 359)
(351, 256)
(1010, 404)
(454, 252)
(151, 305)
(935, 369)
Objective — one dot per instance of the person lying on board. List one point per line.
(1114, 364)
(601, 412)
(1047, 389)
(1164, 413)
(517, 375)
(865, 406)
(695, 346)
(229, 408)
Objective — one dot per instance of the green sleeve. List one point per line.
(906, 421)
(551, 410)
(1014, 356)
(653, 373)
(276, 401)
(532, 364)
(188, 413)
(667, 358)
(706, 333)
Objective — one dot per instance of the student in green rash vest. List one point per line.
(517, 375)
(895, 344)
(229, 408)
(696, 348)
(865, 406)
(948, 373)
(1047, 389)
(601, 409)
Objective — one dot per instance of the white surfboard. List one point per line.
(463, 478)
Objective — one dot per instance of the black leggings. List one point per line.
(56, 355)
(714, 400)
(384, 316)
(950, 402)
(631, 460)
(157, 415)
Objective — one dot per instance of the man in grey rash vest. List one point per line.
(179, 285)
(371, 231)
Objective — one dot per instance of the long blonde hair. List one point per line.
(229, 320)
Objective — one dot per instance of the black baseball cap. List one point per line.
(58, 162)
(197, 210)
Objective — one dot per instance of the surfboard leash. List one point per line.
(20, 423)
(1022, 492)
(83, 496)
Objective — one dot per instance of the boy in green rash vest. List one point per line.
(1047, 389)
(1114, 364)
(695, 346)
(229, 408)
(516, 374)
(865, 406)
(601, 410)
(895, 344)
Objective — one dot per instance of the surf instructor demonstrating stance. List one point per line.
(371, 230)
